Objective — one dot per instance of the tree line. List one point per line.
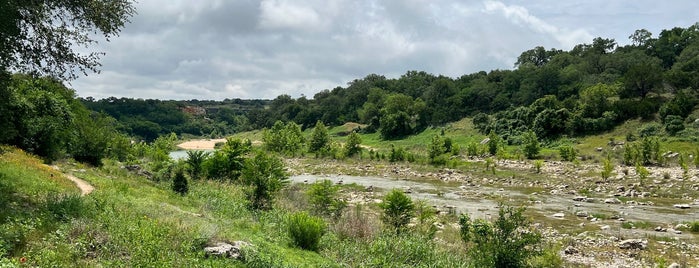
(588, 89)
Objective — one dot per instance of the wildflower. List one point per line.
(22, 260)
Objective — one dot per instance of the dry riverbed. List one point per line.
(591, 219)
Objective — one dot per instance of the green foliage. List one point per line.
(537, 165)
(567, 152)
(645, 151)
(353, 144)
(320, 140)
(607, 168)
(305, 230)
(398, 209)
(696, 158)
(227, 163)
(57, 28)
(494, 143)
(195, 163)
(401, 116)
(398, 154)
(530, 145)
(323, 197)
(179, 183)
(284, 138)
(642, 173)
(694, 227)
(265, 176)
(507, 242)
(674, 124)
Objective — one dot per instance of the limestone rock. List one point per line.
(559, 215)
(633, 244)
(612, 201)
(226, 250)
(682, 206)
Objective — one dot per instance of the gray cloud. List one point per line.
(260, 49)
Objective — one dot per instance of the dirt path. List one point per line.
(85, 187)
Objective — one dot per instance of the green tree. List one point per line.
(436, 147)
(494, 143)
(323, 197)
(530, 145)
(92, 134)
(179, 183)
(607, 168)
(41, 36)
(195, 163)
(283, 138)
(353, 144)
(673, 124)
(507, 242)
(227, 163)
(398, 208)
(642, 79)
(320, 140)
(567, 152)
(265, 176)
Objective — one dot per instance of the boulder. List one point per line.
(226, 250)
(612, 201)
(633, 244)
(581, 214)
(570, 250)
(559, 215)
(682, 206)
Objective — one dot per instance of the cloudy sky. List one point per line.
(216, 49)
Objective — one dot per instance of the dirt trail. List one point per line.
(85, 187)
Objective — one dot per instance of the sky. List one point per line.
(260, 49)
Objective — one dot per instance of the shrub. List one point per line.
(397, 208)
(352, 146)
(507, 242)
(694, 227)
(305, 230)
(537, 165)
(320, 140)
(494, 143)
(567, 152)
(607, 168)
(397, 154)
(530, 145)
(179, 183)
(674, 124)
(265, 176)
(195, 161)
(324, 198)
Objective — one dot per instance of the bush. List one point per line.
(195, 161)
(179, 183)
(530, 145)
(397, 208)
(674, 124)
(507, 242)
(694, 227)
(265, 176)
(324, 198)
(352, 146)
(567, 152)
(305, 230)
(607, 168)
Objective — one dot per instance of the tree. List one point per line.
(352, 146)
(323, 196)
(179, 183)
(530, 145)
(320, 140)
(641, 38)
(642, 79)
(507, 242)
(195, 161)
(40, 36)
(265, 176)
(397, 208)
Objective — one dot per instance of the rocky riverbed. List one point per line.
(590, 218)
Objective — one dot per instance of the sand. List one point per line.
(206, 144)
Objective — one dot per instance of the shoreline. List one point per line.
(202, 144)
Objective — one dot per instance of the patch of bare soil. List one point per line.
(204, 144)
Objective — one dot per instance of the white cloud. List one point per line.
(262, 48)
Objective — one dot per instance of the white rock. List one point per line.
(559, 215)
(612, 201)
(682, 206)
(605, 227)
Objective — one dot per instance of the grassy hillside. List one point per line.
(130, 221)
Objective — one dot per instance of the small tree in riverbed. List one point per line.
(607, 168)
(352, 146)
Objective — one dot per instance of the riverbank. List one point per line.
(203, 144)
